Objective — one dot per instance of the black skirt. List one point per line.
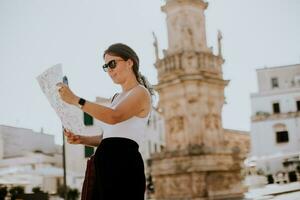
(119, 170)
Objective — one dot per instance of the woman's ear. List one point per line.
(130, 63)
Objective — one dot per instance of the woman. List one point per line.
(119, 167)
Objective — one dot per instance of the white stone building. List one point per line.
(29, 159)
(275, 126)
(154, 141)
(77, 155)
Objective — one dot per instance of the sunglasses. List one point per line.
(111, 64)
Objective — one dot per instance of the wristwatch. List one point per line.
(81, 102)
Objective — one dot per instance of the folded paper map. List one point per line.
(70, 115)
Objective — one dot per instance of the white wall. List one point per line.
(32, 170)
(75, 158)
(19, 141)
(263, 137)
(1, 147)
(21, 165)
(286, 99)
(285, 74)
(154, 136)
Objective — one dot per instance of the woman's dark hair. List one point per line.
(125, 52)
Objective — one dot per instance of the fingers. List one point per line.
(68, 133)
(71, 137)
(61, 86)
(74, 140)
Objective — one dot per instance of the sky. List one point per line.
(35, 35)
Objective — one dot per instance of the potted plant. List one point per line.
(73, 194)
(15, 191)
(3, 192)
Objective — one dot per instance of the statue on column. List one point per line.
(187, 38)
(220, 37)
(155, 44)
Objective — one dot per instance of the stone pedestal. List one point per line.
(197, 174)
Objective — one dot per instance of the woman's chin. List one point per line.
(115, 81)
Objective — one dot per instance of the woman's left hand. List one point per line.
(66, 94)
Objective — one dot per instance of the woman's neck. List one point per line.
(129, 85)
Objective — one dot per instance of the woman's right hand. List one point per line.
(72, 138)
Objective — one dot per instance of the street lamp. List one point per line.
(65, 81)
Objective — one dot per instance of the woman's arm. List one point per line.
(93, 141)
(137, 101)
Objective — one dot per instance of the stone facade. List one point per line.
(238, 141)
(200, 159)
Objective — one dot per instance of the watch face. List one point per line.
(81, 102)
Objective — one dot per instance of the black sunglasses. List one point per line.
(111, 64)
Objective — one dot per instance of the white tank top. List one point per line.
(132, 128)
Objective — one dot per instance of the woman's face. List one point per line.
(122, 70)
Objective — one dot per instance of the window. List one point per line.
(88, 119)
(298, 105)
(276, 108)
(270, 178)
(274, 82)
(88, 151)
(281, 133)
(296, 80)
(282, 136)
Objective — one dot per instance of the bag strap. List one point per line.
(112, 99)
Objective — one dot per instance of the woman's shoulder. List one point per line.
(141, 90)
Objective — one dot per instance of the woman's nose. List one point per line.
(110, 70)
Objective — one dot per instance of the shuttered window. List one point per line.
(88, 119)
(88, 151)
(276, 108)
(298, 105)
